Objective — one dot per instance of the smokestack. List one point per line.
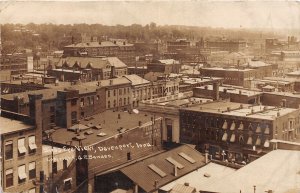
(216, 91)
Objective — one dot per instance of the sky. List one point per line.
(209, 13)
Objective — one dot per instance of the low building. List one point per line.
(150, 174)
(166, 66)
(141, 89)
(237, 132)
(234, 94)
(281, 84)
(188, 84)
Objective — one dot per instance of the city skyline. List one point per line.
(224, 14)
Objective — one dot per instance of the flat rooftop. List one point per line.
(109, 123)
(199, 80)
(10, 126)
(279, 171)
(227, 69)
(232, 90)
(197, 178)
(242, 110)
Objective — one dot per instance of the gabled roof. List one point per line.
(93, 62)
(158, 169)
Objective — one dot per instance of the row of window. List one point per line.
(119, 90)
(126, 102)
(22, 174)
(22, 147)
(90, 101)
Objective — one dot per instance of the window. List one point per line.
(108, 93)
(82, 102)
(65, 164)
(114, 92)
(89, 101)
(68, 184)
(52, 109)
(124, 101)
(120, 102)
(124, 90)
(74, 102)
(74, 117)
(115, 103)
(97, 98)
(9, 178)
(120, 92)
(128, 156)
(52, 118)
(32, 171)
(9, 150)
(108, 104)
(21, 147)
(54, 167)
(22, 174)
(32, 144)
(92, 100)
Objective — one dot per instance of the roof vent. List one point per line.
(186, 184)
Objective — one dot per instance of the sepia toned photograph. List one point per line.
(150, 96)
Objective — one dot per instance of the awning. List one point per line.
(9, 171)
(31, 190)
(31, 141)
(258, 141)
(232, 138)
(249, 141)
(224, 138)
(267, 143)
(232, 127)
(258, 129)
(31, 166)
(267, 130)
(225, 125)
(21, 146)
(22, 172)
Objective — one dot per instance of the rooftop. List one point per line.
(98, 44)
(242, 110)
(103, 126)
(10, 126)
(169, 61)
(198, 177)
(136, 80)
(228, 69)
(160, 168)
(295, 73)
(255, 64)
(199, 80)
(232, 90)
(278, 171)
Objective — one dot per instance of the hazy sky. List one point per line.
(228, 14)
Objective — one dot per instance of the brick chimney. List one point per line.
(216, 91)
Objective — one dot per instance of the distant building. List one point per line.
(165, 66)
(124, 51)
(179, 44)
(17, 63)
(226, 45)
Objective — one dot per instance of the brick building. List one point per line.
(123, 50)
(237, 132)
(166, 66)
(179, 44)
(21, 145)
(87, 68)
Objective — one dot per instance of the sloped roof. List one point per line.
(136, 80)
(95, 62)
(145, 177)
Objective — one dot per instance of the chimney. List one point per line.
(124, 43)
(175, 171)
(119, 116)
(240, 92)
(186, 184)
(98, 83)
(115, 42)
(216, 91)
(206, 157)
(111, 82)
(205, 87)
(156, 184)
(99, 43)
(113, 72)
(140, 123)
